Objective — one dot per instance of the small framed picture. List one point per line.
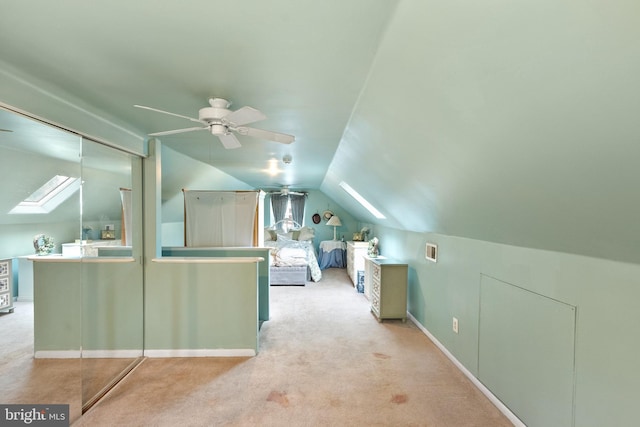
(108, 235)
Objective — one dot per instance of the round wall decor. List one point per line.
(316, 218)
(327, 215)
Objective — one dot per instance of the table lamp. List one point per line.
(335, 222)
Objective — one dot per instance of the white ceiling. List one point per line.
(511, 122)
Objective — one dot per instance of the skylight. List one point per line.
(368, 206)
(49, 196)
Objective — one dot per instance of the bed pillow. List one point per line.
(295, 234)
(284, 236)
(270, 235)
(306, 233)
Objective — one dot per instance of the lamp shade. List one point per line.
(334, 221)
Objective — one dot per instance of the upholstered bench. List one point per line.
(296, 275)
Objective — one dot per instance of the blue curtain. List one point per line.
(297, 207)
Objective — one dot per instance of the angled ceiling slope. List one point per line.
(302, 64)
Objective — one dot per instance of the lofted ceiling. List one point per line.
(506, 122)
(302, 63)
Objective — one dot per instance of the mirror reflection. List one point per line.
(112, 278)
(31, 156)
(71, 292)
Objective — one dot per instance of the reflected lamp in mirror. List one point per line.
(334, 221)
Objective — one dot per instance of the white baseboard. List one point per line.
(239, 352)
(496, 402)
(87, 354)
(92, 354)
(111, 354)
(57, 354)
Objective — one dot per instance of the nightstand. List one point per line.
(332, 254)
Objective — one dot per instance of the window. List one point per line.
(368, 206)
(49, 196)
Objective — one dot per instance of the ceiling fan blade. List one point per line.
(171, 132)
(244, 115)
(266, 134)
(229, 141)
(166, 112)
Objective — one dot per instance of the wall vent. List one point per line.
(431, 252)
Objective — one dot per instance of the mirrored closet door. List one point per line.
(39, 209)
(71, 240)
(110, 245)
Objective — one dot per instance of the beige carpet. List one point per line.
(324, 361)
(25, 380)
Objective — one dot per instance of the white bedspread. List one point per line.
(287, 253)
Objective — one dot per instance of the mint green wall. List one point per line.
(263, 267)
(112, 306)
(57, 310)
(605, 294)
(510, 122)
(93, 306)
(201, 306)
(17, 239)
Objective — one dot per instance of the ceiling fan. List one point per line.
(224, 123)
(285, 191)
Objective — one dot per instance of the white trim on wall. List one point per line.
(55, 354)
(111, 354)
(496, 402)
(219, 352)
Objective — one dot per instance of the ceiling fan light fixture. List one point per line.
(218, 129)
(224, 123)
(219, 103)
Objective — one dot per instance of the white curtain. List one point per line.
(127, 217)
(219, 218)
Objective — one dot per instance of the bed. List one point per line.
(293, 259)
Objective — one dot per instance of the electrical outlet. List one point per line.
(455, 325)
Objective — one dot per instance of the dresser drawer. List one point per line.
(375, 304)
(375, 288)
(375, 272)
(4, 268)
(5, 300)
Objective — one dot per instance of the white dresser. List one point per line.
(386, 285)
(356, 251)
(6, 286)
